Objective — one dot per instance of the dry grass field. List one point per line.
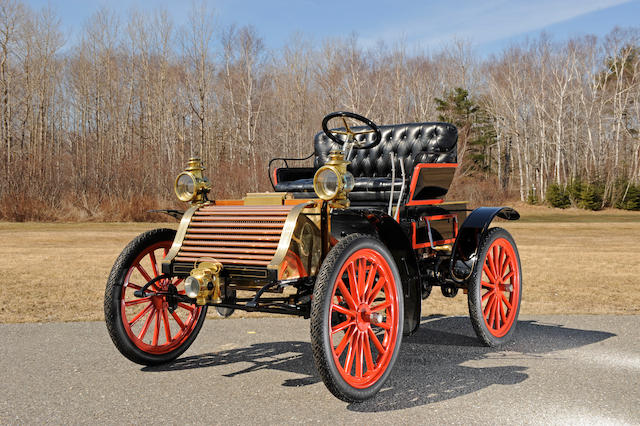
(573, 262)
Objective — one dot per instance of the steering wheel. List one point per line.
(351, 134)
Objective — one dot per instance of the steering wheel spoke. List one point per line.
(349, 132)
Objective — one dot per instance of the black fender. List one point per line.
(173, 213)
(465, 248)
(384, 227)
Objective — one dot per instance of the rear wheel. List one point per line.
(356, 318)
(495, 288)
(148, 330)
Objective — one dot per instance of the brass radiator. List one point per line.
(234, 235)
(251, 241)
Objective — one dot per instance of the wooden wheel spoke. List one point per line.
(346, 295)
(140, 314)
(490, 275)
(492, 312)
(506, 262)
(167, 327)
(376, 342)
(500, 261)
(147, 323)
(508, 276)
(359, 355)
(178, 320)
(134, 286)
(137, 301)
(373, 271)
(494, 257)
(187, 307)
(487, 284)
(342, 326)
(367, 352)
(353, 282)
(351, 352)
(361, 277)
(487, 308)
(503, 316)
(381, 306)
(374, 292)
(486, 295)
(506, 301)
(156, 329)
(143, 272)
(343, 310)
(344, 342)
(384, 325)
(154, 266)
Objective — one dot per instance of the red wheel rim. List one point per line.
(500, 287)
(147, 321)
(363, 318)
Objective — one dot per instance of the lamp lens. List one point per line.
(349, 181)
(326, 184)
(192, 287)
(185, 187)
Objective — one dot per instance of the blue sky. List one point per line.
(427, 25)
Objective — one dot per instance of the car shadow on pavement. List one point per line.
(435, 364)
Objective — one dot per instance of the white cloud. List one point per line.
(485, 21)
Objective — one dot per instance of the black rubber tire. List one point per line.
(475, 290)
(320, 311)
(113, 294)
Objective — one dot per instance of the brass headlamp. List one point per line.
(332, 182)
(203, 284)
(191, 185)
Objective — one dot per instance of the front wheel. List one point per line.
(495, 288)
(356, 317)
(148, 330)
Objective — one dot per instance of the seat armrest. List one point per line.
(288, 174)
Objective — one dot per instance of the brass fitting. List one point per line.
(334, 188)
(204, 283)
(191, 185)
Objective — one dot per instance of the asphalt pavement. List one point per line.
(559, 370)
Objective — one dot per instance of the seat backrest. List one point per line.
(412, 143)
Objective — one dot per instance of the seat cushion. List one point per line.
(362, 184)
(411, 144)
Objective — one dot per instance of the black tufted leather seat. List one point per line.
(411, 143)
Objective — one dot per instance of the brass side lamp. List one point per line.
(332, 182)
(191, 185)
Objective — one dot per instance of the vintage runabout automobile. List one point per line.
(355, 243)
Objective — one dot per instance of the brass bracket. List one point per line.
(208, 275)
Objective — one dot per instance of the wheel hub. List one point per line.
(363, 317)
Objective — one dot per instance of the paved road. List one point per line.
(573, 369)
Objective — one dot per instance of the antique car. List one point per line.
(355, 243)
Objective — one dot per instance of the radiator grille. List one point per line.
(234, 235)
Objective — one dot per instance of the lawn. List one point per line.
(573, 262)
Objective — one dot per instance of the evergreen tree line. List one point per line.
(98, 125)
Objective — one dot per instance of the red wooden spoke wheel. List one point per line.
(495, 288)
(356, 317)
(148, 330)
